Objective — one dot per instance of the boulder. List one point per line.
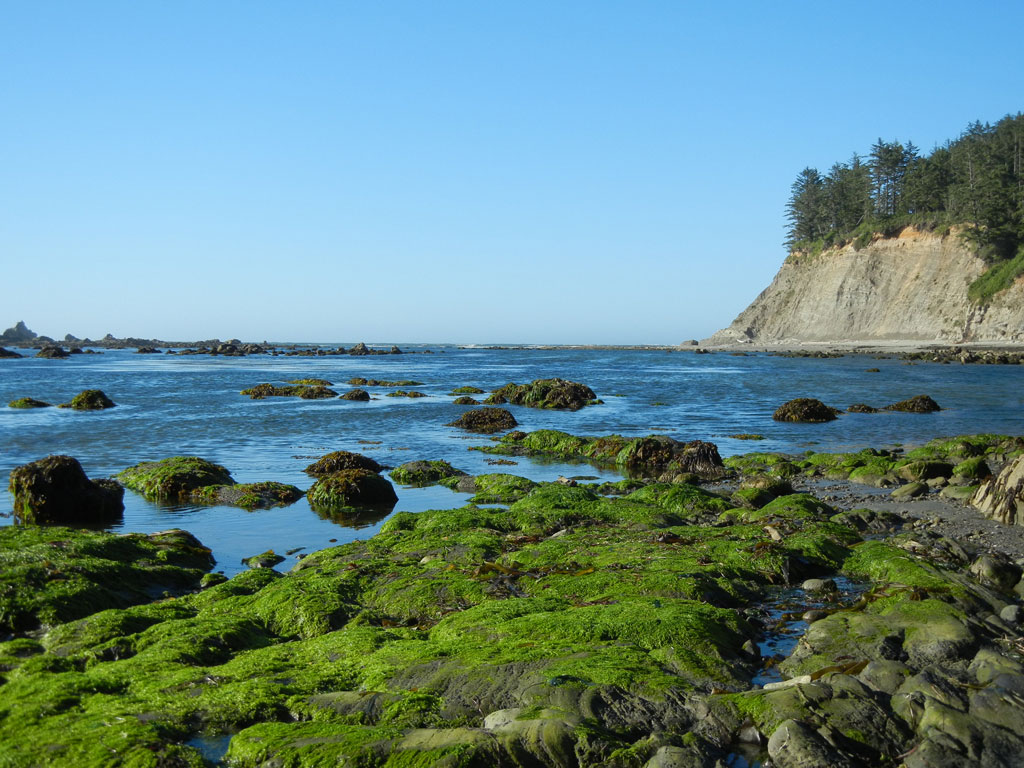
(861, 408)
(175, 478)
(89, 400)
(339, 460)
(424, 472)
(360, 395)
(359, 349)
(1002, 497)
(56, 490)
(8, 353)
(351, 488)
(916, 404)
(53, 353)
(805, 410)
(485, 420)
(465, 400)
(559, 394)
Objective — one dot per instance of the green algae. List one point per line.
(28, 402)
(467, 390)
(89, 400)
(174, 478)
(546, 393)
(422, 473)
(53, 575)
(351, 488)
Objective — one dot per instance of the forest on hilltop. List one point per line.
(975, 182)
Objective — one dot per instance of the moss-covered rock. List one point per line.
(311, 382)
(547, 393)
(304, 391)
(467, 390)
(485, 420)
(89, 400)
(28, 402)
(422, 473)
(805, 410)
(412, 393)
(465, 400)
(51, 575)
(861, 408)
(52, 352)
(358, 395)
(351, 488)
(55, 490)
(261, 495)
(174, 478)
(916, 404)
(339, 460)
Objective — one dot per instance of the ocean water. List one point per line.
(172, 405)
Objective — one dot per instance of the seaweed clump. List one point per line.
(545, 393)
(89, 400)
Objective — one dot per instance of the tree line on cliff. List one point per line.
(975, 181)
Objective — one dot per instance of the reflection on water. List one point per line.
(170, 405)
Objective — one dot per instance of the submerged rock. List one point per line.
(916, 404)
(861, 408)
(485, 420)
(806, 410)
(56, 490)
(89, 400)
(8, 353)
(28, 402)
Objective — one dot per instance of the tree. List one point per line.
(806, 207)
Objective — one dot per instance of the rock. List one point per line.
(797, 745)
(351, 488)
(861, 408)
(8, 353)
(972, 470)
(266, 560)
(465, 400)
(925, 470)
(916, 404)
(910, 491)
(819, 585)
(485, 420)
(546, 393)
(18, 333)
(212, 580)
(360, 395)
(885, 676)
(339, 460)
(359, 350)
(56, 490)
(996, 571)
(421, 473)
(467, 390)
(1002, 498)
(28, 402)
(89, 400)
(53, 353)
(175, 478)
(262, 495)
(805, 410)
(1012, 614)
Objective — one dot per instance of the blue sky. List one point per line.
(535, 172)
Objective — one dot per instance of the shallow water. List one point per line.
(170, 405)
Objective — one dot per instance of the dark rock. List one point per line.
(53, 353)
(861, 408)
(359, 349)
(996, 571)
(89, 400)
(56, 490)
(485, 420)
(339, 460)
(916, 404)
(6, 353)
(360, 395)
(548, 393)
(351, 488)
(146, 351)
(805, 409)
(465, 400)
(18, 333)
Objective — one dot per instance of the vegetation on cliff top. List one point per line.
(975, 182)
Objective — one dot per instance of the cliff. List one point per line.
(907, 288)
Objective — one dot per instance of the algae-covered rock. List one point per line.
(485, 420)
(175, 478)
(465, 400)
(422, 473)
(547, 393)
(52, 575)
(51, 352)
(805, 410)
(260, 495)
(267, 559)
(89, 400)
(302, 390)
(339, 460)
(8, 354)
(55, 490)
(357, 394)
(861, 408)
(351, 488)
(28, 402)
(467, 390)
(916, 404)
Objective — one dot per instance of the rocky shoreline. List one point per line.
(780, 610)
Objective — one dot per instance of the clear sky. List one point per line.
(561, 172)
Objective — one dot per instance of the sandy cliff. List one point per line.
(912, 287)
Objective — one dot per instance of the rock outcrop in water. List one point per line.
(912, 287)
(56, 490)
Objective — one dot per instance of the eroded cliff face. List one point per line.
(912, 287)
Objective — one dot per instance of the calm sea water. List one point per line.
(170, 405)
